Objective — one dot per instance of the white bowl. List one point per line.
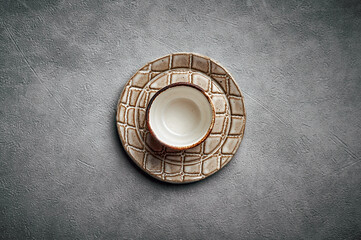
(180, 115)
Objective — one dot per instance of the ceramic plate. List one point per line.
(193, 164)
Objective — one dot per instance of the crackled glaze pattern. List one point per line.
(203, 160)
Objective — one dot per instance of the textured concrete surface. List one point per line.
(64, 174)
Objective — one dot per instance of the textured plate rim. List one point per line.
(168, 55)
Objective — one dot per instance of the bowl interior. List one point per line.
(180, 116)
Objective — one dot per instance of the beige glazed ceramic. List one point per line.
(180, 115)
(168, 164)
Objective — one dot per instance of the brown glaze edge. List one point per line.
(175, 85)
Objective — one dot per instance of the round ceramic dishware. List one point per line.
(211, 155)
(180, 115)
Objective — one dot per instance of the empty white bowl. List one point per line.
(180, 115)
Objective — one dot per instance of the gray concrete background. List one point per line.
(63, 171)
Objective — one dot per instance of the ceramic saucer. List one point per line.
(193, 164)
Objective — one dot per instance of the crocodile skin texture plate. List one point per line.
(193, 164)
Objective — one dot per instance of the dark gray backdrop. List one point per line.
(64, 174)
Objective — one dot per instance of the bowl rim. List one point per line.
(172, 86)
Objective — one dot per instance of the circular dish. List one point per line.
(194, 164)
(180, 115)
